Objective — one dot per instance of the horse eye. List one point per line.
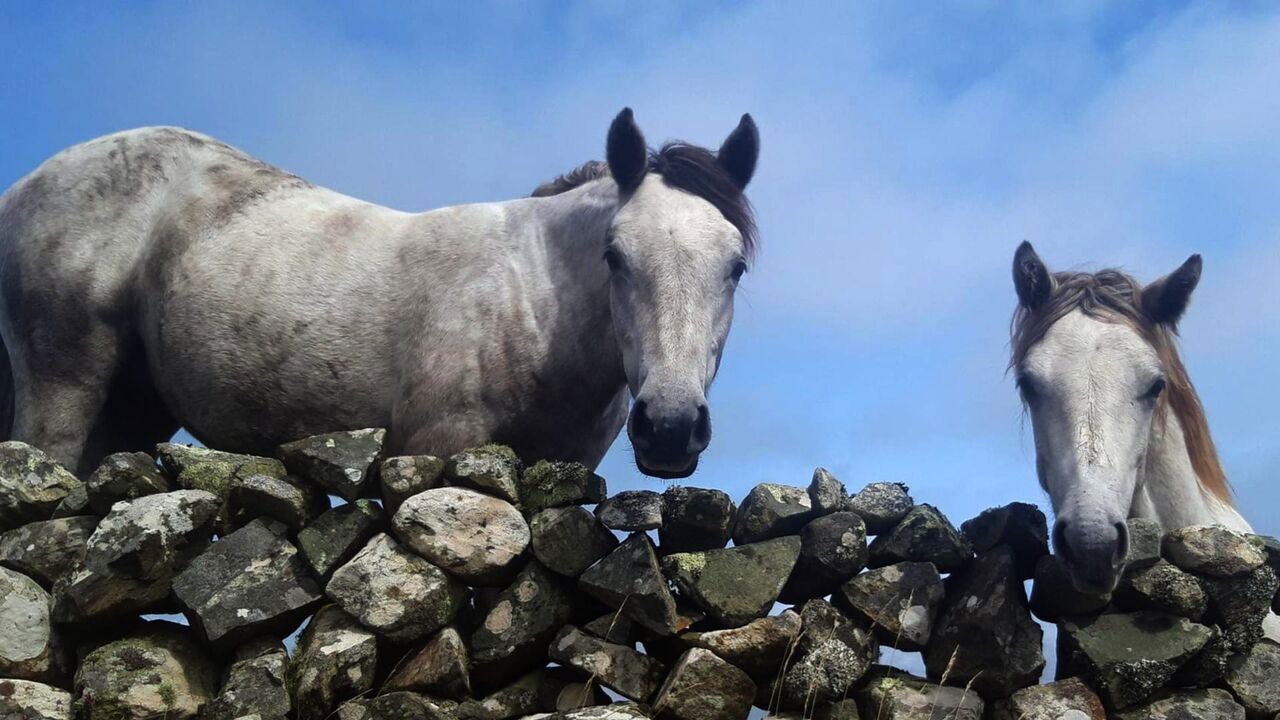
(739, 268)
(1027, 387)
(1154, 391)
(613, 259)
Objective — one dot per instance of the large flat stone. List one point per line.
(339, 462)
(471, 535)
(735, 585)
(1127, 656)
(153, 537)
(32, 485)
(47, 550)
(985, 637)
(28, 645)
(617, 667)
(250, 584)
(336, 660)
(396, 593)
(702, 686)
(159, 671)
(628, 579)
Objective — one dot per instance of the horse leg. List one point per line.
(58, 404)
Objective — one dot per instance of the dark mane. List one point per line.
(685, 167)
(1114, 296)
(584, 173)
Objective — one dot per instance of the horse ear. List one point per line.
(1166, 299)
(1030, 277)
(740, 151)
(626, 152)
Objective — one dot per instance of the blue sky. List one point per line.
(907, 149)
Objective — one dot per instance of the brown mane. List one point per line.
(1114, 296)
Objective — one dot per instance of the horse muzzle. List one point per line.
(1093, 553)
(668, 440)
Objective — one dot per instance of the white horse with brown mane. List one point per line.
(1119, 429)
(158, 278)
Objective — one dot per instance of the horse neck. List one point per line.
(1169, 491)
(572, 227)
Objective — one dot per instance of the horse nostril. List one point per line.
(1060, 541)
(701, 429)
(1122, 543)
(642, 429)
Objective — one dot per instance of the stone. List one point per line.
(901, 601)
(985, 637)
(617, 667)
(833, 548)
(882, 505)
(759, 648)
(250, 584)
(159, 671)
(616, 711)
(1161, 587)
(512, 639)
(32, 484)
(1068, 699)
(285, 499)
(1210, 704)
(338, 534)
(154, 536)
(832, 654)
(575, 696)
(631, 511)
(404, 476)
(49, 549)
(771, 511)
(75, 503)
(336, 660)
(568, 540)
(1055, 598)
(195, 468)
(1241, 604)
(473, 536)
(826, 493)
(86, 597)
(396, 593)
(536, 692)
(124, 476)
(695, 519)
(339, 462)
(28, 646)
(613, 627)
(701, 686)
(923, 535)
(1254, 677)
(1145, 537)
(1214, 551)
(492, 469)
(1019, 525)
(439, 668)
(397, 706)
(734, 585)
(1208, 666)
(1127, 656)
(558, 484)
(254, 684)
(629, 580)
(894, 695)
(27, 700)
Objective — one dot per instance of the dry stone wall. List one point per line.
(474, 588)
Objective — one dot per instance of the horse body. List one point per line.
(158, 278)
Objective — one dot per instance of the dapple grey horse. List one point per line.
(1119, 429)
(158, 278)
